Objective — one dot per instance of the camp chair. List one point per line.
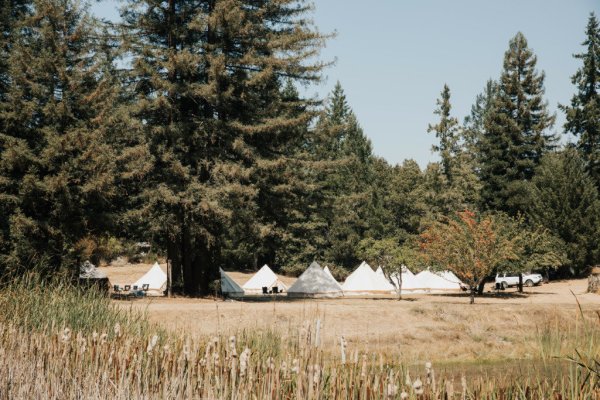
(135, 287)
(265, 290)
(117, 291)
(275, 290)
(145, 287)
(127, 288)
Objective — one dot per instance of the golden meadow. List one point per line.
(58, 342)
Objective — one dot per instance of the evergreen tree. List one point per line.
(352, 201)
(453, 185)
(406, 199)
(474, 123)
(583, 115)
(564, 199)
(11, 14)
(208, 77)
(516, 126)
(446, 131)
(56, 168)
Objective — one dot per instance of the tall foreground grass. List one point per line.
(84, 348)
(33, 303)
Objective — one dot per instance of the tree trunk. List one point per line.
(400, 287)
(594, 281)
(520, 282)
(472, 295)
(173, 254)
(481, 287)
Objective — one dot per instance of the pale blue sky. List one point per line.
(394, 56)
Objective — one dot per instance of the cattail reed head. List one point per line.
(418, 386)
(151, 343)
(66, 335)
(244, 358)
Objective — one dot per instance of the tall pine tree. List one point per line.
(564, 200)
(446, 131)
(516, 131)
(56, 167)
(207, 76)
(583, 115)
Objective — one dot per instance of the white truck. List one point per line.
(506, 279)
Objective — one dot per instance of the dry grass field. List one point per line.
(544, 321)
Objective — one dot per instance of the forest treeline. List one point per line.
(183, 125)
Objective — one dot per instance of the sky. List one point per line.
(393, 57)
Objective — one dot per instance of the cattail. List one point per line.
(103, 338)
(270, 364)
(151, 343)
(185, 352)
(80, 339)
(295, 366)
(418, 386)
(117, 330)
(94, 337)
(244, 359)
(343, 349)
(463, 382)
(392, 388)
(66, 335)
(430, 375)
(232, 348)
(316, 374)
(408, 381)
(450, 388)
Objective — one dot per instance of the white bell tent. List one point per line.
(382, 282)
(437, 282)
(265, 277)
(315, 282)
(229, 287)
(363, 280)
(156, 279)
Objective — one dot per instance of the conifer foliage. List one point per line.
(55, 166)
(446, 130)
(207, 77)
(516, 130)
(583, 114)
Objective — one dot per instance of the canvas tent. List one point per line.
(434, 282)
(409, 281)
(315, 282)
(382, 282)
(451, 277)
(326, 269)
(156, 279)
(265, 277)
(229, 287)
(363, 280)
